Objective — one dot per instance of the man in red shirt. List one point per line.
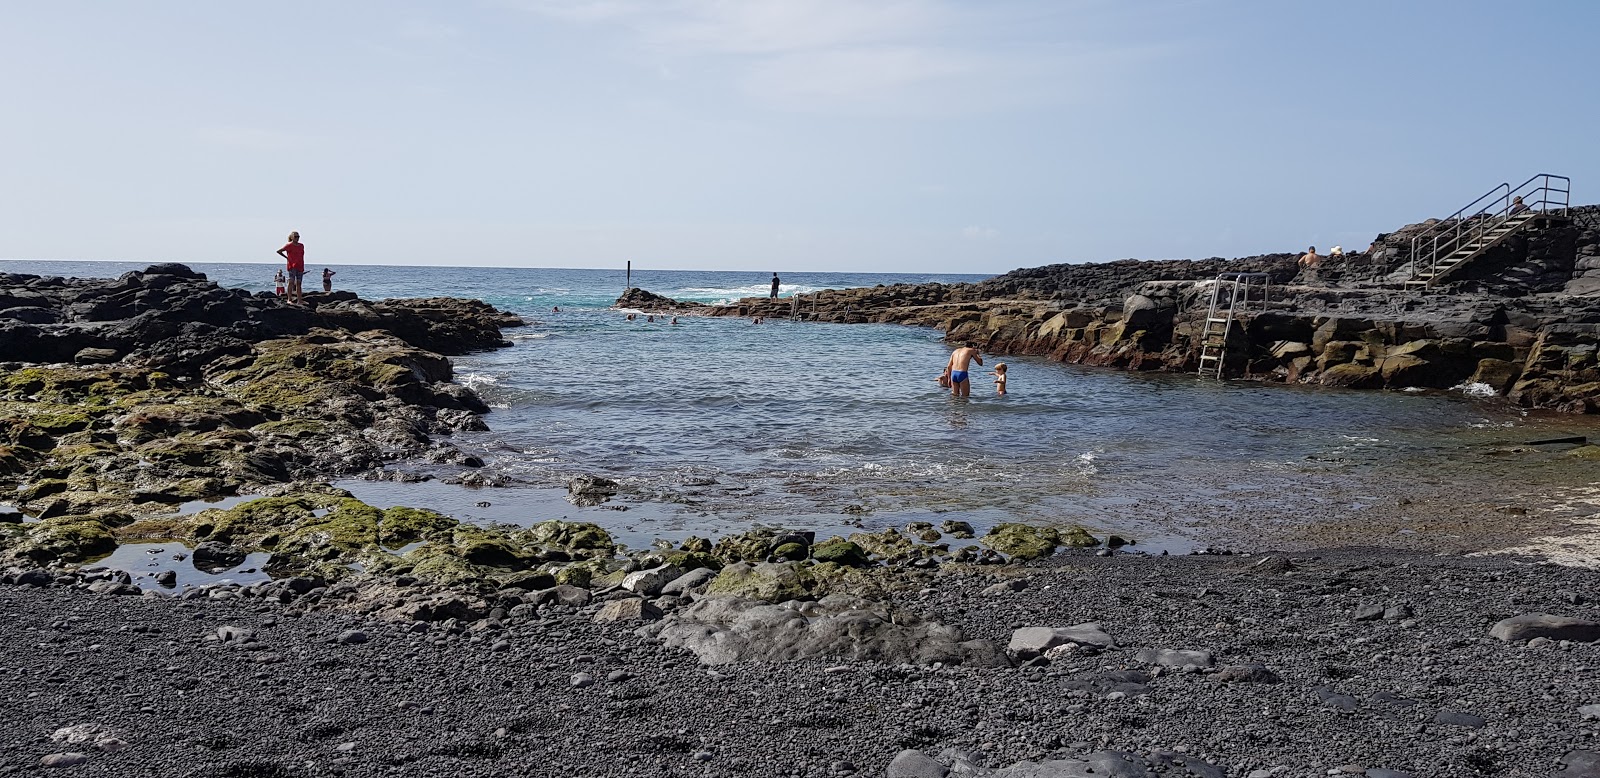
(295, 252)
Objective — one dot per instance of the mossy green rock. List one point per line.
(792, 552)
(1591, 453)
(577, 537)
(65, 539)
(749, 546)
(1022, 541)
(841, 552)
(768, 581)
(578, 574)
(888, 544)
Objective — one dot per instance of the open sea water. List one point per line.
(715, 424)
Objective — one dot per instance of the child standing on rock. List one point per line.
(277, 280)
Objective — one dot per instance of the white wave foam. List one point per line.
(530, 336)
(1475, 389)
(476, 381)
(724, 294)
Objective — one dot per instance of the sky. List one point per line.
(786, 135)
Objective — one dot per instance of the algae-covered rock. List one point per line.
(1022, 541)
(888, 544)
(748, 546)
(768, 581)
(579, 538)
(64, 539)
(1590, 453)
(468, 553)
(957, 529)
(840, 551)
(576, 574)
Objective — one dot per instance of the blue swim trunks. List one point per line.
(957, 376)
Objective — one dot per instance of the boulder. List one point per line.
(213, 556)
(721, 630)
(628, 609)
(570, 596)
(1029, 642)
(770, 581)
(1543, 625)
(915, 764)
(840, 551)
(690, 581)
(649, 583)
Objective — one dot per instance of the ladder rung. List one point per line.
(1215, 320)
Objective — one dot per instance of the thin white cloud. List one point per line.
(889, 56)
(976, 232)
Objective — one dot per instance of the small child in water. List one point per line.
(999, 378)
(944, 378)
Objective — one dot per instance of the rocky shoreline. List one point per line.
(403, 641)
(1522, 321)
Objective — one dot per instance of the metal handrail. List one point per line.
(1238, 303)
(1478, 218)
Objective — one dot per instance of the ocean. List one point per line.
(717, 424)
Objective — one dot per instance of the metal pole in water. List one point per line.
(629, 282)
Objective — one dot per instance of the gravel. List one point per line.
(241, 687)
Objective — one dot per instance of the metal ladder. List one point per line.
(1500, 213)
(1219, 321)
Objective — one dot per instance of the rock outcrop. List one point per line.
(119, 397)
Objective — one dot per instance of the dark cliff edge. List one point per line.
(1523, 320)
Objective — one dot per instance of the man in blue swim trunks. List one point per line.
(960, 359)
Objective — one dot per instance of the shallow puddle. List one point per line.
(144, 559)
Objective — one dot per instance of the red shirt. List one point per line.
(297, 256)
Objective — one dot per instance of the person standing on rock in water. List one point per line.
(295, 253)
(1308, 266)
(327, 280)
(278, 280)
(775, 283)
(960, 360)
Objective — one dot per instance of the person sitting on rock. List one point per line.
(1517, 206)
(1308, 265)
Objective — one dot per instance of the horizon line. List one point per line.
(521, 267)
